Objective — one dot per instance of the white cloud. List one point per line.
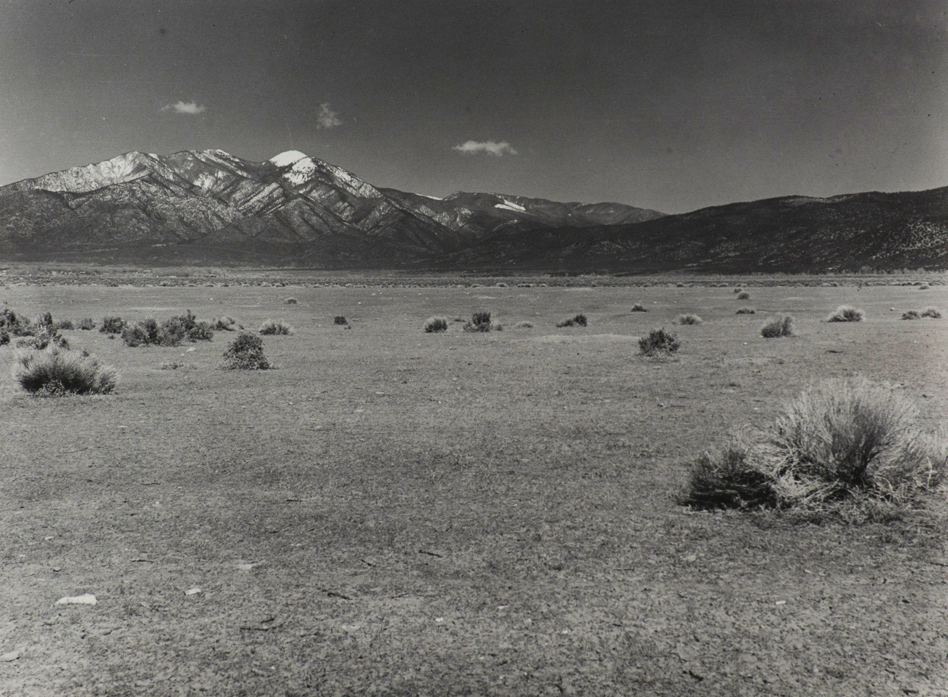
(472, 147)
(326, 117)
(185, 108)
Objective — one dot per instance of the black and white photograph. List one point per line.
(502, 348)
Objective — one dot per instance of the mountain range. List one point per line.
(210, 207)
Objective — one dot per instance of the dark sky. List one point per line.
(666, 104)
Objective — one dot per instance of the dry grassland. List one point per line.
(391, 512)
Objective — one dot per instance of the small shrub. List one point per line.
(924, 286)
(434, 325)
(290, 301)
(223, 324)
(86, 324)
(4, 336)
(64, 324)
(176, 329)
(245, 353)
(911, 314)
(846, 313)
(57, 372)
(689, 319)
(43, 338)
(659, 343)
(524, 325)
(777, 327)
(14, 324)
(142, 333)
(738, 290)
(574, 321)
(480, 322)
(639, 308)
(849, 448)
(275, 328)
(112, 325)
(747, 311)
(339, 319)
(743, 295)
(932, 312)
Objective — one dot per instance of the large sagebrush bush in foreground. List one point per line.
(434, 325)
(777, 326)
(245, 353)
(847, 448)
(60, 372)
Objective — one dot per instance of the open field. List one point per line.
(390, 512)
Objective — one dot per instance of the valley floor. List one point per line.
(389, 512)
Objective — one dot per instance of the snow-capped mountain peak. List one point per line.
(285, 159)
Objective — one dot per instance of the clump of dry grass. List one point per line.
(743, 295)
(659, 343)
(638, 307)
(574, 321)
(911, 314)
(852, 449)
(86, 324)
(746, 311)
(846, 313)
(224, 324)
(689, 318)
(60, 372)
(932, 312)
(245, 353)
(524, 325)
(924, 286)
(276, 327)
(290, 301)
(777, 327)
(433, 325)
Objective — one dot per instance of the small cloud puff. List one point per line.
(185, 108)
(326, 117)
(472, 147)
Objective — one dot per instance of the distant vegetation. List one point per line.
(112, 325)
(777, 327)
(743, 295)
(171, 332)
(639, 308)
(659, 343)
(574, 321)
(245, 352)
(434, 325)
(746, 311)
(846, 313)
(689, 319)
(276, 327)
(480, 322)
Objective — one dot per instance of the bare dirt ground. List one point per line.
(395, 513)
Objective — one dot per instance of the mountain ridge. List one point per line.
(210, 206)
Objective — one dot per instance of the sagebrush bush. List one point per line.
(4, 336)
(112, 325)
(846, 313)
(224, 324)
(911, 314)
(638, 307)
(339, 319)
(743, 295)
(86, 324)
(524, 325)
(245, 352)
(480, 322)
(142, 333)
(689, 319)
(849, 441)
(64, 324)
(574, 321)
(434, 325)
(60, 372)
(924, 286)
(777, 327)
(14, 324)
(277, 327)
(932, 312)
(738, 290)
(659, 343)
(746, 311)
(43, 337)
(290, 301)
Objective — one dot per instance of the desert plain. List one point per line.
(390, 512)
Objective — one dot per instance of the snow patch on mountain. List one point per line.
(119, 169)
(285, 159)
(510, 206)
(301, 170)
